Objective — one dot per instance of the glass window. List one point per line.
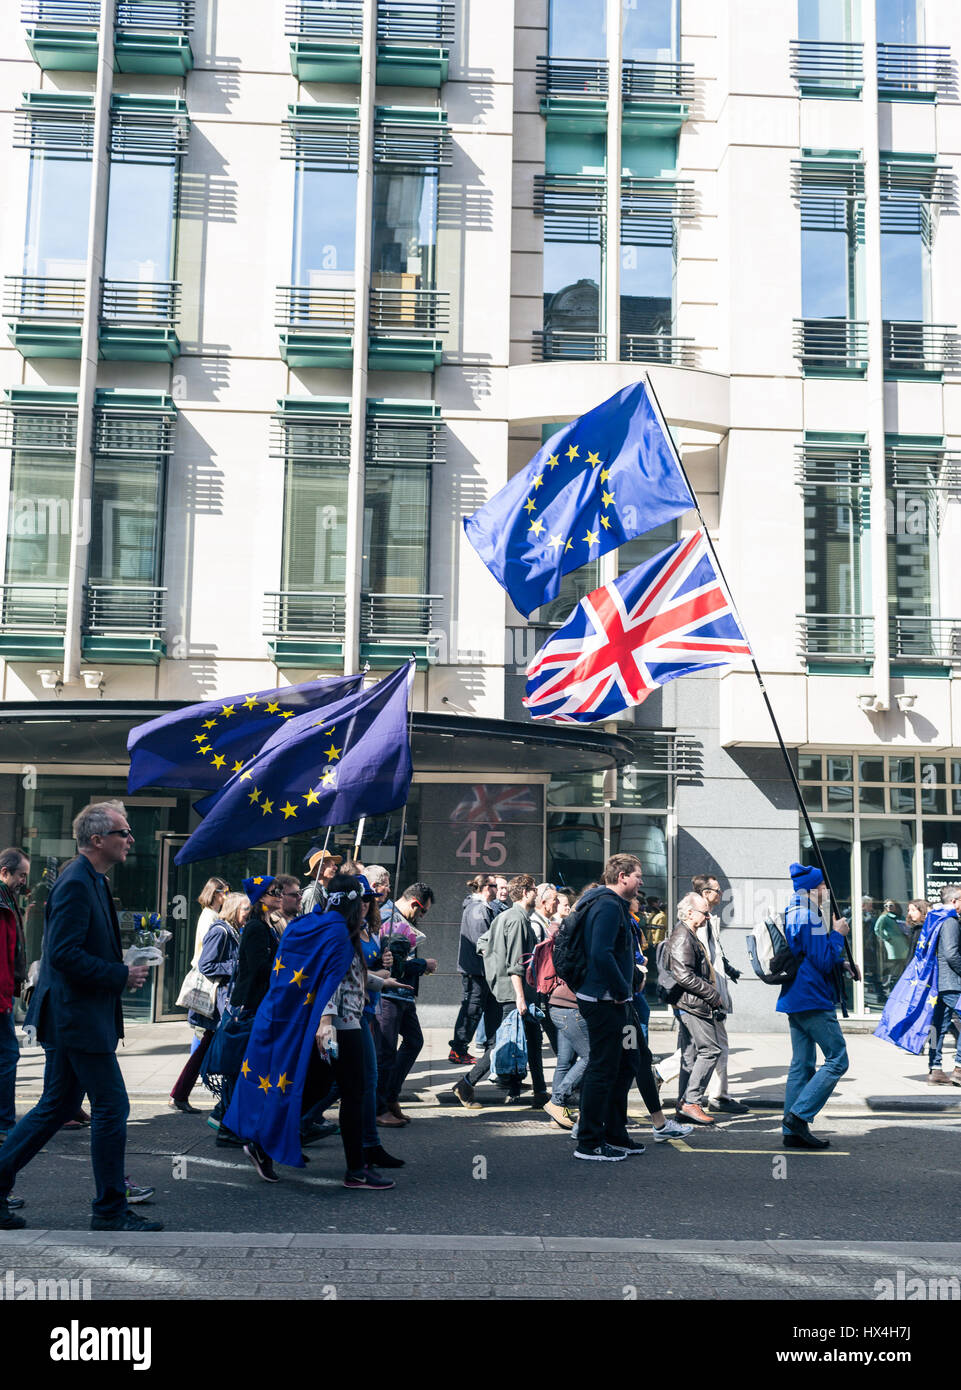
(900, 21)
(900, 769)
(942, 856)
(572, 281)
(651, 29)
(827, 282)
(905, 268)
(840, 769)
(830, 21)
(836, 565)
(871, 769)
(58, 209)
(38, 528)
(646, 837)
(578, 29)
(405, 230)
(315, 527)
(902, 799)
(887, 882)
(325, 206)
(809, 767)
(636, 788)
(140, 222)
(933, 771)
(840, 799)
(647, 291)
(871, 798)
(811, 797)
(396, 530)
(127, 521)
(577, 789)
(575, 848)
(933, 801)
(956, 770)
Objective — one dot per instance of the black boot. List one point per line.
(380, 1158)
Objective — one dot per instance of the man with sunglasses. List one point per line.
(398, 1009)
(78, 1017)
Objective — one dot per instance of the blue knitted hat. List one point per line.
(804, 878)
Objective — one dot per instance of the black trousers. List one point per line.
(347, 1069)
(476, 999)
(535, 1060)
(643, 1066)
(610, 1071)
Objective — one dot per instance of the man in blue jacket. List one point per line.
(810, 1002)
(77, 1013)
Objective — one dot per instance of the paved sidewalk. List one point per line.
(880, 1077)
(178, 1264)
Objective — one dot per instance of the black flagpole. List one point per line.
(835, 909)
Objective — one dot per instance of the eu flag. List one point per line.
(610, 476)
(203, 745)
(327, 767)
(312, 959)
(906, 1020)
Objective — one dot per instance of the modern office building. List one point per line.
(291, 288)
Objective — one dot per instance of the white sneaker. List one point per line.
(671, 1130)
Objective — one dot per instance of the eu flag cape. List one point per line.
(906, 1020)
(202, 746)
(610, 476)
(313, 957)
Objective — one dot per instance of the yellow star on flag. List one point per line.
(605, 523)
(273, 707)
(553, 461)
(605, 474)
(278, 966)
(264, 1084)
(537, 527)
(297, 976)
(557, 542)
(311, 797)
(238, 767)
(530, 506)
(328, 779)
(250, 701)
(245, 1068)
(593, 459)
(289, 811)
(286, 714)
(227, 711)
(607, 498)
(200, 738)
(204, 748)
(333, 753)
(218, 761)
(569, 545)
(591, 538)
(254, 795)
(538, 481)
(309, 999)
(210, 724)
(266, 806)
(282, 1083)
(572, 452)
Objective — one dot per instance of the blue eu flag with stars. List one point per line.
(327, 767)
(610, 476)
(312, 959)
(202, 746)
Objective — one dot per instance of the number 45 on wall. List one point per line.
(493, 853)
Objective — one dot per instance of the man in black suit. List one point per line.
(78, 1017)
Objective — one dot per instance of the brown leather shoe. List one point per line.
(937, 1077)
(398, 1114)
(955, 1077)
(695, 1114)
(390, 1121)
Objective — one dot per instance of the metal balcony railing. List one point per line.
(415, 21)
(905, 68)
(658, 347)
(397, 617)
(33, 607)
(314, 307)
(921, 347)
(409, 311)
(568, 345)
(831, 344)
(571, 77)
(315, 19)
(171, 16)
(122, 608)
(643, 81)
(935, 640)
(828, 65)
(140, 301)
(42, 297)
(310, 615)
(837, 636)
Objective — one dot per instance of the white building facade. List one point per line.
(290, 289)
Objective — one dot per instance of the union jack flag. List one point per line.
(666, 618)
(490, 803)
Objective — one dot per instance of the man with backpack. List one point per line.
(810, 1001)
(506, 948)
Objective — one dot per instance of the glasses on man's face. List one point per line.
(127, 834)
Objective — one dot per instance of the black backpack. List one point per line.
(570, 949)
(668, 990)
(773, 960)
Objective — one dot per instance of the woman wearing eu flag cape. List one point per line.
(305, 1037)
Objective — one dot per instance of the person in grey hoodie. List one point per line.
(476, 997)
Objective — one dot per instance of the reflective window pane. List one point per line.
(57, 213)
(933, 801)
(396, 530)
(871, 769)
(812, 798)
(901, 770)
(127, 522)
(887, 882)
(933, 771)
(324, 219)
(902, 798)
(840, 769)
(840, 798)
(650, 30)
(578, 28)
(942, 856)
(315, 527)
(871, 798)
(577, 789)
(38, 527)
(575, 849)
(809, 767)
(140, 222)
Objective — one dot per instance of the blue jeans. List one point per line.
(9, 1057)
(945, 1013)
(67, 1077)
(808, 1087)
(573, 1054)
